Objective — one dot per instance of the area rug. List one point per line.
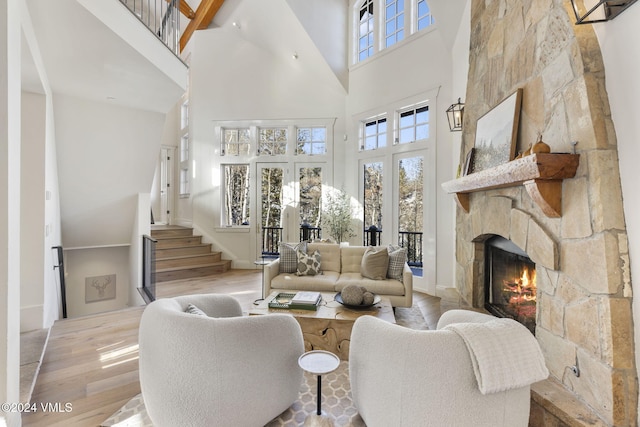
(336, 393)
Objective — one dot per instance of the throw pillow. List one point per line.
(288, 258)
(397, 258)
(375, 263)
(192, 309)
(308, 265)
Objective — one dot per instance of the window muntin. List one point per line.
(236, 142)
(423, 15)
(311, 140)
(365, 30)
(374, 134)
(236, 195)
(272, 141)
(394, 21)
(413, 125)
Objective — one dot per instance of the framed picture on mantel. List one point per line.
(496, 133)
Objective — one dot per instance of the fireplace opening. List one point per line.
(510, 282)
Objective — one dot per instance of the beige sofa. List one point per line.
(340, 267)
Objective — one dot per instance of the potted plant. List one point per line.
(337, 215)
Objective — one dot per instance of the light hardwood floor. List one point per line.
(91, 362)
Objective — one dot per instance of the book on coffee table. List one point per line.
(284, 300)
(306, 297)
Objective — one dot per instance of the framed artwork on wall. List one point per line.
(496, 133)
(99, 288)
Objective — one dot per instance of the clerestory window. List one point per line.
(373, 134)
(413, 125)
(365, 30)
(394, 21)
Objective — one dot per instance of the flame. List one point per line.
(523, 289)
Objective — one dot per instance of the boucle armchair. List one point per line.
(405, 377)
(218, 369)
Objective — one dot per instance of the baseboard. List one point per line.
(31, 317)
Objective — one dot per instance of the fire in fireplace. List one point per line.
(510, 282)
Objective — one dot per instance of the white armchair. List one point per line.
(405, 377)
(219, 369)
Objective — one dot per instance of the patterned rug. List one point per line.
(336, 393)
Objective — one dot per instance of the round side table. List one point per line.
(319, 362)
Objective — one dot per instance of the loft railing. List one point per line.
(162, 18)
(149, 267)
(413, 242)
(271, 238)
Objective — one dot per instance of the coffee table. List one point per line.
(328, 328)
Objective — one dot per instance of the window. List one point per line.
(184, 182)
(310, 195)
(236, 142)
(374, 134)
(372, 195)
(184, 148)
(394, 21)
(236, 195)
(271, 194)
(424, 15)
(311, 140)
(272, 141)
(413, 125)
(365, 32)
(184, 115)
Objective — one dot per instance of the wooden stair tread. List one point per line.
(195, 266)
(214, 253)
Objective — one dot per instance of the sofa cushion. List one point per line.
(375, 263)
(381, 287)
(288, 258)
(351, 257)
(325, 282)
(397, 259)
(329, 253)
(308, 264)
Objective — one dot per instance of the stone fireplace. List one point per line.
(583, 318)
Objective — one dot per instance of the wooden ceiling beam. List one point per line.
(185, 9)
(205, 13)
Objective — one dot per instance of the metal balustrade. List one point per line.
(149, 267)
(413, 242)
(372, 236)
(271, 238)
(161, 17)
(309, 233)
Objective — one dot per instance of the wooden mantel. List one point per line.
(541, 174)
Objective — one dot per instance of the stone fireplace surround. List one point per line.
(584, 319)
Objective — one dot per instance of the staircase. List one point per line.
(181, 255)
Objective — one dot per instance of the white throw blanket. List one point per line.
(505, 355)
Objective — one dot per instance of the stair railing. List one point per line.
(161, 17)
(412, 240)
(149, 267)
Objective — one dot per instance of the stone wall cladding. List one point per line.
(584, 310)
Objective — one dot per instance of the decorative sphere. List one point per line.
(367, 298)
(352, 295)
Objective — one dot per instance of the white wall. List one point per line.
(421, 64)
(621, 54)
(96, 262)
(106, 156)
(10, 207)
(234, 77)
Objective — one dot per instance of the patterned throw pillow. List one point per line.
(308, 265)
(288, 258)
(192, 309)
(397, 258)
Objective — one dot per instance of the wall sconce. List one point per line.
(602, 10)
(454, 114)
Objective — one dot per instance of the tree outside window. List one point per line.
(236, 195)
